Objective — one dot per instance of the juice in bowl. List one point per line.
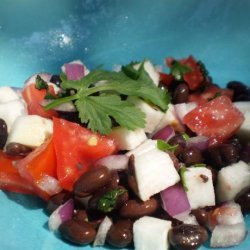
(92, 156)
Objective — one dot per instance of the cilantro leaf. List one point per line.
(182, 171)
(40, 83)
(105, 107)
(162, 145)
(98, 98)
(178, 70)
(109, 200)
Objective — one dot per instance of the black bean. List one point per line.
(80, 215)
(135, 208)
(243, 199)
(241, 91)
(191, 156)
(187, 237)
(56, 79)
(56, 200)
(181, 93)
(178, 140)
(17, 149)
(229, 154)
(79, 233)
(3, 133)
(120, 234)
(201, 216)
(91, 181)
(245, 153)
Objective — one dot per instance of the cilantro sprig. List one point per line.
(101, 96)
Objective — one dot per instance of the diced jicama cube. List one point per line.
(30, 130)
(8, 94)
(143, 148)
(151, 70)
(151, 233)
(231, 180)
(154, 172)
(10, 111)
(200, 189)
(244, 131)
(169, 118)
(228, 235)
(127, 139)
(153, 114)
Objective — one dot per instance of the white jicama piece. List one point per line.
(231, 180)
(182, 109)
(10, 111)
(228, 235)
(143, 148)
(151, 70)
(127, 139)
(169, 118)
(30, 130)
(151, 233)
(153, 114)
(244, 130)
(102, 232)
(7, 94)
(154, 172)
(200, 189)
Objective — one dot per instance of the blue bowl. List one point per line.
(41, 35)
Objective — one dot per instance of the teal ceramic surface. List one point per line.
(40, 35)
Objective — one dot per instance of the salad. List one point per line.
(133, 157)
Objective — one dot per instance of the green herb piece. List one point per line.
(49, 96)
(203, 68)
(178, 70)
(185, 136)
(40, 83)
(162, 145)
(98, 103)
(108, 202)
(199, 165)
(217, 94)
(182, 171)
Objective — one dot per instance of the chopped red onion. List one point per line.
(200, 142)
(114, 162)
(74, 70)
(49, 184)
(175, 202)
(64, 107)
(102, 232)
(61, 214)
(164, 134)
(182, 109)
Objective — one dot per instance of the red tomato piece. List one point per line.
(10, 179)
(33, 97)
(166, 79)
(39, 169)
(217, 119)
(209, 93)
(77, 148)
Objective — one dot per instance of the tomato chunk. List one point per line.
(77, 148)
(39, 169)
(10, 179)
(33, 97)
(218, 119)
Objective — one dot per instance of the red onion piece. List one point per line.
(61, 214)
(199, 142)
(64, 107)
(102, 232)
(164, 134)
(181, 109)
(74, 70)
(175, 201)
(114, 162)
